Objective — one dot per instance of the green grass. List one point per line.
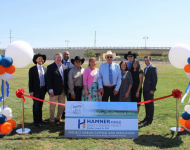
(155, 136)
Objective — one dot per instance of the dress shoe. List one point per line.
(43, 121)
(52, 124)
(38, 125)
(59, 120)
(147, 123)
(142, 121)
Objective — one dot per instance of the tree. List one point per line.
(143, 53)
(165, 55)
(89, 53)
(1, 52)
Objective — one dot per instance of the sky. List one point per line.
(118, 23)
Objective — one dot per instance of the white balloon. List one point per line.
(188, 75)
(6, 111)
(0, 110)
(5, 107)
(7, 76)
(187, 109)
(9, 117)
(21, 53)
(178, 55)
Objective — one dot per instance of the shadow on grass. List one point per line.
(158, 141)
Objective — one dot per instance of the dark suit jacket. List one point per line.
(54, 80)
(34, 81)
(151, 79)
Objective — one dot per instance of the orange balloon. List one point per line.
(187, 68)
(187, 124)
(13, 123)
(10, 69)
(6, 127)
(2, 69)
(182, 121)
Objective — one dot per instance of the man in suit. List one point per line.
(56, 78)
(37, 86)
(149, 88)
(67, 62)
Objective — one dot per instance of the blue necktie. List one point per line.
(146, 70)
(110, 75)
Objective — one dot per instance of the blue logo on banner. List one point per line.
(79, 123)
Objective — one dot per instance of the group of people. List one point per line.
(66, 78)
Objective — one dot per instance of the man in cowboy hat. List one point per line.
(56, 78)
(109, 78)
(75, 81)
(37, 86)
(130, 57)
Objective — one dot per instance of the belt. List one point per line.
(110, 86)
(79, 86)
(42, 87)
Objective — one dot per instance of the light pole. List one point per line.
(145, 39)
(67, 42)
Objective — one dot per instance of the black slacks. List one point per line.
(108, 91)
(37, 106)
(78, 94)
(149, 107)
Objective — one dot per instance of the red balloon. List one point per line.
(187, 124)
(187, 68)
(13, 123)
(10, 69)
(182, 121)
(2, 69)
(6, 127)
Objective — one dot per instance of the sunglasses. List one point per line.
(109, 57)
(130, 56)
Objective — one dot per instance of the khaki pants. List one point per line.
(61, 99)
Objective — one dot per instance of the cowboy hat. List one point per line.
(77, 58)
(129, 53)
(39, 55)
(108, 53)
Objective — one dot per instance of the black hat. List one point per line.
(77, 58)
(38, 55)
(129, 53)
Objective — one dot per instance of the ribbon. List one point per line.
(175, 93)
(186, 93)
(6, 88)
(20, 94)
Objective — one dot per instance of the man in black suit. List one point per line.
(149, 87)
(56, 77)
(37, 86)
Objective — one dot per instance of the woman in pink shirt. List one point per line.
(90, 91)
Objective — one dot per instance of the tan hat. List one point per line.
(108, 53)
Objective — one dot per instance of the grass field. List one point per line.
(155, 136)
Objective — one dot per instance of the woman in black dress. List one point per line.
(137, 75)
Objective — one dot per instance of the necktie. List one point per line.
(146, 70)
(42, 81)
(110, 75)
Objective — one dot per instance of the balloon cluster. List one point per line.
(185, 118)
(6, 68)
(6, 121)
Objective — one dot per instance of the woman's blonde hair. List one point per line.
(91, 58)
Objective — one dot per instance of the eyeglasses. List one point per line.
(130, 56)
(109, 57)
